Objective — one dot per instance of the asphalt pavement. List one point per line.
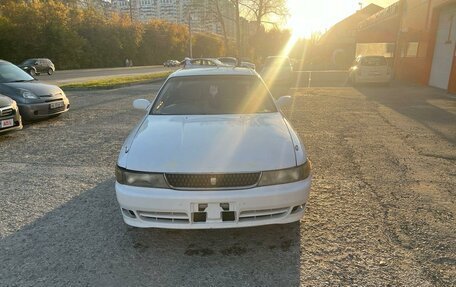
(381, 212)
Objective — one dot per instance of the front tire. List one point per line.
(32, 72)
(50, 71)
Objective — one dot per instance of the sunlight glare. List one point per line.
(307, 17)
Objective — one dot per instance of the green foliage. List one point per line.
(75, 36)
(207, 45)
(162, 41)
(115, 82)
(269, 43)
(84, 36)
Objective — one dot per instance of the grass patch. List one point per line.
(115, 81)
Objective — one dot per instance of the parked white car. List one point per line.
(231, 61)
(212, 151)
(370, 69)
(204, 63)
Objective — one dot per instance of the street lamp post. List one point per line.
(131, 10)
(190, 34)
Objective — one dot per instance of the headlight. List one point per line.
(27, 94)
(143, 179)
(288, 175)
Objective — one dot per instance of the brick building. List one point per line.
(420, 35)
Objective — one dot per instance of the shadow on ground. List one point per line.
(415, 102)
(85, 243)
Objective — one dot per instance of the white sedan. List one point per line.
(212, 151)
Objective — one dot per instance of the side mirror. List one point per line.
(35, 64)
(284, 101)
(141, 104)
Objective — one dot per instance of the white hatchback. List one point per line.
(213, 151)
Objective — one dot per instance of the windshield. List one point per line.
(11, 73)
(213, 95)
(373, 61)
(207, 62)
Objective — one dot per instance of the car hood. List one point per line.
(38, 88)
(5, 101)
(215, 143)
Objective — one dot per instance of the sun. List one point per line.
(298, 27)
(308, 17)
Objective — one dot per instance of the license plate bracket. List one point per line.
(56, 105)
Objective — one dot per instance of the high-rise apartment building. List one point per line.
(203, 13)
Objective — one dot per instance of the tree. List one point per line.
(261, 11)
(218, 12)
(209, 46)
(162, 41)
(271, 42)
(238, 28)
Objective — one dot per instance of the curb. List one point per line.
(115, 86)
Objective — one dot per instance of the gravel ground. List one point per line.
(381, 213)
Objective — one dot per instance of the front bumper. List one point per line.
(177, 209)
(42, 110)
(17, 125)
(16, 120)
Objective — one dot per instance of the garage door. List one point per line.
(444, 48)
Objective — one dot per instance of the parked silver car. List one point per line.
(36, 100)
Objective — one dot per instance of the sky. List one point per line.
(308, 16)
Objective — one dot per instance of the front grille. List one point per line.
(4, 112)
(213, 181)
(54, 100)
(51, 95)
(56, 110)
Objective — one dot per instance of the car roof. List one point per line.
(214, 60)
(214, 71)
(197, 59)
(278, 59)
